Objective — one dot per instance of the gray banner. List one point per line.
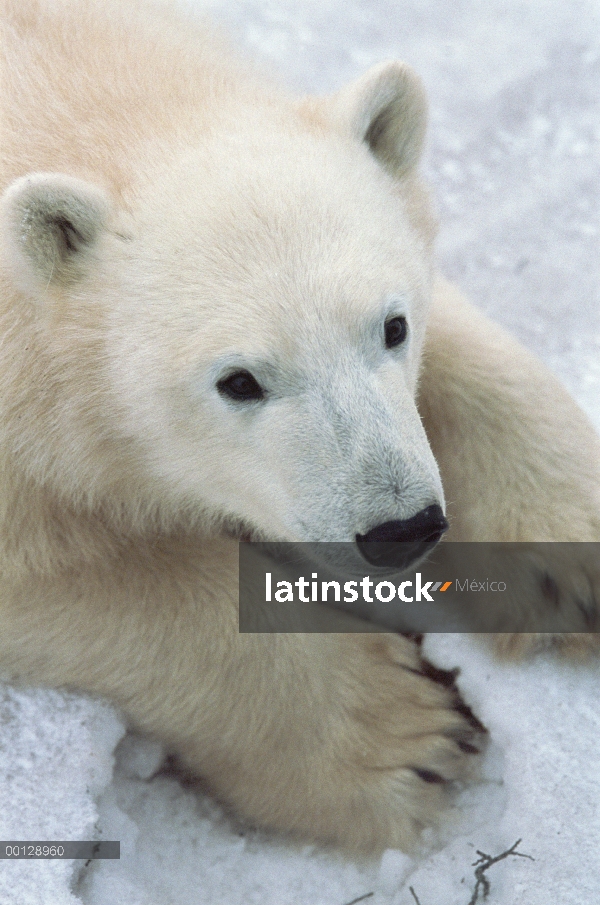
(473, 587)
(28, 850)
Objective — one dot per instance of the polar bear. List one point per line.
(221, 321)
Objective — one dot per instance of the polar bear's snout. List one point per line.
(400, 543)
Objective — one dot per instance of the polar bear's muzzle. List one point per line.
(400, 543)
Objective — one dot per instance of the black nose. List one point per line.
(398, 544)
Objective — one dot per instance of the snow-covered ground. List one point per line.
(514, 158)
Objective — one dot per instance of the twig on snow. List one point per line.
(484, 862)
(367, 895)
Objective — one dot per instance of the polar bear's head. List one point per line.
(238, 336)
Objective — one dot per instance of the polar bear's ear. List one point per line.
(50, 224)
(387, 109)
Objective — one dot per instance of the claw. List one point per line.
(467, 747)
(417, 637)
(468, 714)
(429, 776)
(550, 589)
(445, 677)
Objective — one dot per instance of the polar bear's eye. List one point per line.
(240, 386)
(396, 330)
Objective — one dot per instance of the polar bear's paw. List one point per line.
(406, 743)
(418, 743)
(558, 600)
(352, 739)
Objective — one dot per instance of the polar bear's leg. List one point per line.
(518, 458)
(343, 738)
(348, 738)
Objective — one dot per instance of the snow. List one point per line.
(514, 159)
(56, 758)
